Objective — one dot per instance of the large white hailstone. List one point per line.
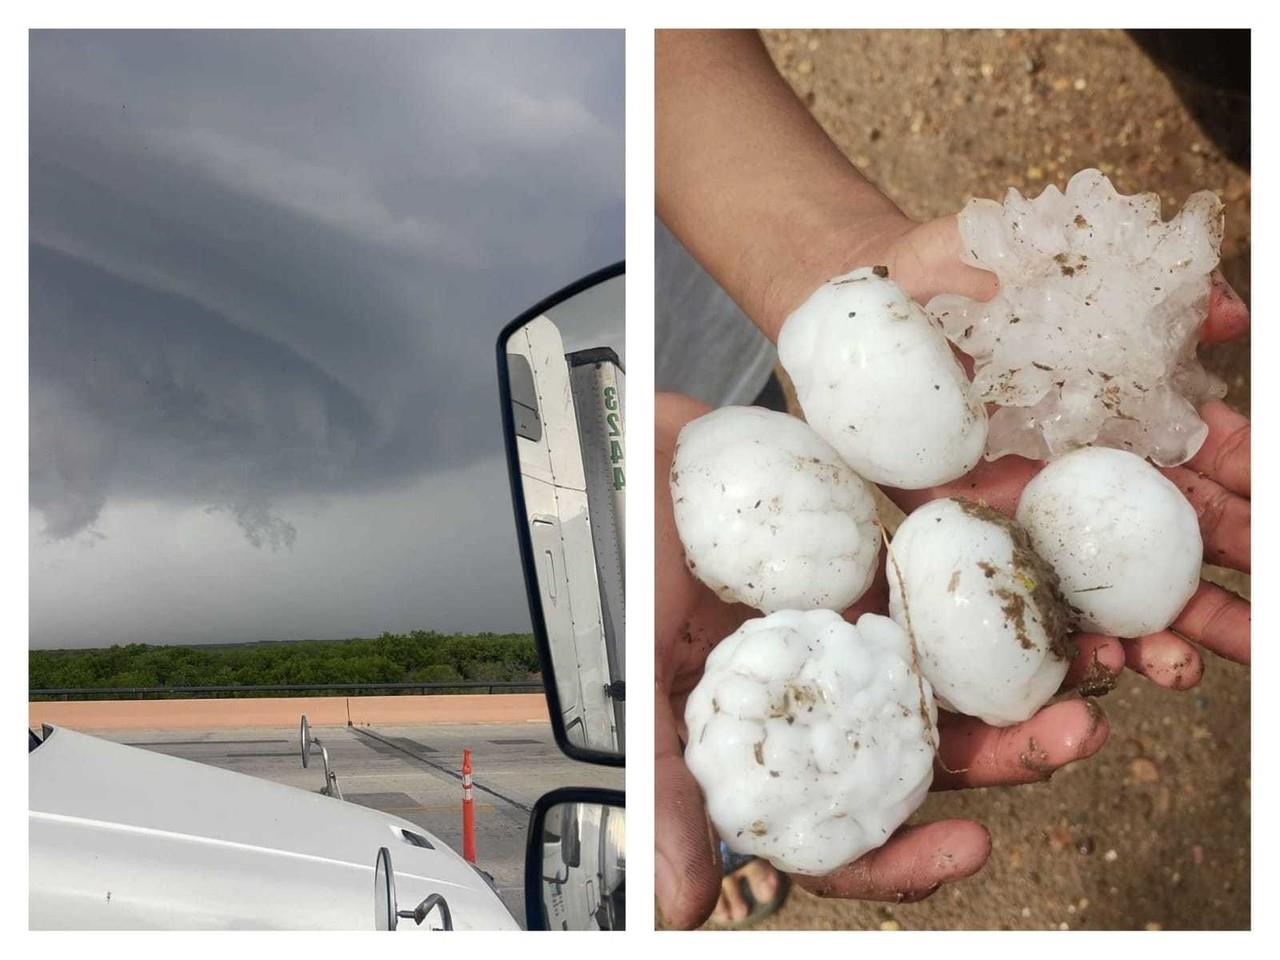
(769, 515)
(1123, 539)
(878, 381)
(812, 739)
(989, 623)
(1092, 337)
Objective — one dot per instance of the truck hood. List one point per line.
(125, 838)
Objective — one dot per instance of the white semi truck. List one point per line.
(569, 435)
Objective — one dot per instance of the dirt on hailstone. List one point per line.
(1153, 832)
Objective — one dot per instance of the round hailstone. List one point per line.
(769, 515)
(813, 739)
(1123, 539)
(877, 379)
(989, 623)
(1092, 337)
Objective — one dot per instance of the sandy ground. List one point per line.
(1154, 831)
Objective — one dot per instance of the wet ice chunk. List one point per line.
(812, 738)
(1092, 337)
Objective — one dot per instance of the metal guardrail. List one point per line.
(142, 693)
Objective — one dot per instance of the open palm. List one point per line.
(925, 260)
(690, 620)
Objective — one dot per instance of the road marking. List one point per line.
(363, 731)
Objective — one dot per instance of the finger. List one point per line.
(1224, 518)
(1228, 316)
(731, 906)
(912, 865)
(1224, 456)
(762, 878)
(1165, 659)
(876, 599)
(973, 754)
(931, 264)
(997, 483)
(1217, 620)
(1097, 666)
(686, 875)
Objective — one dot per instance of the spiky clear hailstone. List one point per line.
(989, 623)
(812, 739)
(1123, 539)
(769, 515)
(878, 381)
(1092, 337)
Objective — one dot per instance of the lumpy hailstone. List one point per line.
(1092, 337)
(989, 623)
(877, 379)
(769, 515)
(1124, 540)
(812, 739)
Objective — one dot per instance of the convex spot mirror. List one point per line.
(304, 733)
(386, 911)
(561, 379)
(576, 861)
(307, 741)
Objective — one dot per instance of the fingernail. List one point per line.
(1227, 290)
(1097, 719)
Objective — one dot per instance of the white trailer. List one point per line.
(580, 606)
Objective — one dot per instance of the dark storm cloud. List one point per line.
(270, 264)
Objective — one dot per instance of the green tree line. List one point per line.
(417, 657)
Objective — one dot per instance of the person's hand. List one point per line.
(925, 260)
(690, 620)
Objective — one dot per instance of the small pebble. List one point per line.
(1111, 856)
(1026, 911)
(1153, 926)
(890, 925)
(1144, 770)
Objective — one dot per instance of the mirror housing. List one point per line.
(304, 734)
(384, 892)
(579, 885)
(561, 389)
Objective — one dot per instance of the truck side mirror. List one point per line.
(576, 861)
(561, 382)
(386, 910)
(307, 741)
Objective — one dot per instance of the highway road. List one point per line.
(412, 772)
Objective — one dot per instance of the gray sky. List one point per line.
(267, 274)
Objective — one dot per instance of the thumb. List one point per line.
(686, 870)
(1228, 316)
(928, 263)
